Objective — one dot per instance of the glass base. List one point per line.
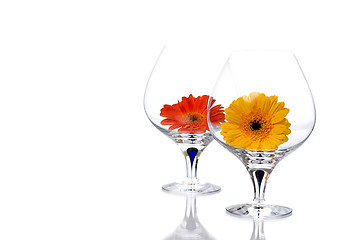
(185, 188)
(253, 210)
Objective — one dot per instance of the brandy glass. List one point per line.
(175, 102)
(269, 113)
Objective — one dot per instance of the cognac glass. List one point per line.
(269, 113)
(175, 101)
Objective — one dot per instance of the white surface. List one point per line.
(80, 160)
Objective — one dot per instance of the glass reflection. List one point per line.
(190, 227)
(258, 229)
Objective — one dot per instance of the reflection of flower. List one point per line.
(256, 122)
(190, 114)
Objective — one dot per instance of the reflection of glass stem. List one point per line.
(190, 227)
(259, 179)
(258, 230)
(190, 219)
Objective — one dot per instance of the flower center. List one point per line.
(256, 125)
(193, 119)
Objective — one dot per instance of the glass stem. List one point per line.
(191, 156)
(259, 179)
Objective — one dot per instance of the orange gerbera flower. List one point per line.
(190, 115)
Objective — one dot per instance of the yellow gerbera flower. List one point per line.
(256, 122)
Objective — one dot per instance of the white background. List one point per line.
(80, 160)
